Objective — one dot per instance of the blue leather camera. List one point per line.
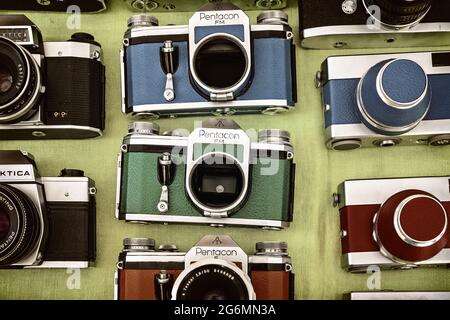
(218, 64)
(386, 100)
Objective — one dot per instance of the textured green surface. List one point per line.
(141, 190)
(314, 235)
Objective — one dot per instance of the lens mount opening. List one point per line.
(20, 82)
(217, 183)
(213, 279)
(220, 64)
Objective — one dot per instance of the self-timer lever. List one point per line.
(166, 174)
(169, 63)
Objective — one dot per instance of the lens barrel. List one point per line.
(24, 225)
(400, 13)
(20, 82)
(213, 282)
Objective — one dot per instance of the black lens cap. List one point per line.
(84, 37)
(71, 173)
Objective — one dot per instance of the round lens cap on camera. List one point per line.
(393, 96)
(71, 173)
(412, 226)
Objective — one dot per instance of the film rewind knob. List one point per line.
(169, 64)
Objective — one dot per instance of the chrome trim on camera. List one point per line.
(328, 36)
(356, 66)
(148, 31)
(205, 220)
(37, 126)
(210, 106)
(72, 49)
(421, 134)
(61, 265)
(354, 192)
(118, 184)
(67, 189)
(360, 261)
(122, 81)
(239, 18)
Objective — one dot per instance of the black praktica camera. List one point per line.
(49, 90)
(374, 23)
(45, 222)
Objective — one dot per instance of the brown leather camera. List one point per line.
(216, 268)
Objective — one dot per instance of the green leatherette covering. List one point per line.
(268, 198)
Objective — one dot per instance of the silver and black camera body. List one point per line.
(216, 268)
(45, 222)
(55, 5)
(49, 90)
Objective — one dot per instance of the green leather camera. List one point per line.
(214, 175)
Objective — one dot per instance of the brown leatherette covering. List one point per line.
(271, 285)
(357, 221)
(139, 284)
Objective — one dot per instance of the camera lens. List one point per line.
(212, 282)
(220, 63)
(217, 181)
(393, 96)
(4, 224)
(20, 226)
(6, 80)
(401, 12)
(20, 82)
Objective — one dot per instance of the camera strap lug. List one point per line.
(222, 96)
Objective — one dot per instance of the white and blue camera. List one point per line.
(386, 100)
(219, 64)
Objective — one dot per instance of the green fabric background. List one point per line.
(313, 237)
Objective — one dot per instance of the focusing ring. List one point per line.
(420, 7)
(26, 100)
(198, 280)
(398, 15)
(25, 228)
